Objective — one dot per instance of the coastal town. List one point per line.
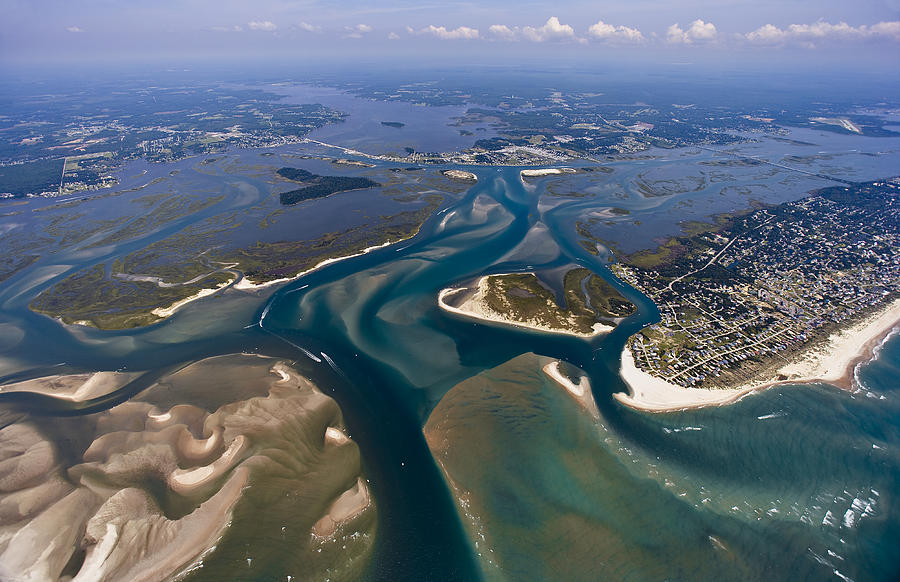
(59, 147)
(741, 301)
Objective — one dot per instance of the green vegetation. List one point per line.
(9, 266)
(111, 303)
(268, 261)
(319, 186)
(667, 187)
(31, 177)
(588, 300)
(123, 293)
(603, 299)
(171, 208)
(295, 174)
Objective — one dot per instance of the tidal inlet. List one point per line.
(433, 294)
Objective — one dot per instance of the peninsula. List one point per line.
(792, 293)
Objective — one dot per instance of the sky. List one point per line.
(867, 31)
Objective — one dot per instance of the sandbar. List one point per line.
(546, 172)
(349, 505)
(76, 387)
(580, 391)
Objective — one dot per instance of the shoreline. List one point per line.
(833, 361)
(164, 312)
(461, 175)
(579, 391)
(540, 173)
(478, 311)
(245, 285)
(241, 284)
(72, 387)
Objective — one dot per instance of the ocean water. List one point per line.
(797, 483)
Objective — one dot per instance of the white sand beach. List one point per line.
(164, 312)
(245, 285)
(832, 362)
(546, 172)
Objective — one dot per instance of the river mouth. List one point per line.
(370, 332)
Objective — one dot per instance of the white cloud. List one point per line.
(234, 28)
(393, 36)
(675, 34)
(890, 29)
(604, 31)
(357, 31)
(75, 29)
(264, 25)
(698, 31)
(310, 27)
(459, 33)
(503, 31)
(552, 30)
(767, 34)
(823, 31)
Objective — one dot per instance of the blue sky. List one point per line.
(99, 29)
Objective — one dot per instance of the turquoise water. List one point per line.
(798, 483)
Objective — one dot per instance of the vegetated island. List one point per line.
(319, 186)
(794, 293)
(395, 124)
(461, 175)
(590, 307)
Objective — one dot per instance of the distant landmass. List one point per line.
(396, 124)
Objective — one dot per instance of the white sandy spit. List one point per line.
(164, 312)
(580, 391)
(245, 285)
(546, 172)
